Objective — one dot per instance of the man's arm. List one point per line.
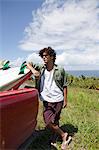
(35, 72)
(65, 97)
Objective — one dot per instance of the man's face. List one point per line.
(47, 58)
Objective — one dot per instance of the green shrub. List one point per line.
(83, 82)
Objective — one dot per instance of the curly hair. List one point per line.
(49, 51)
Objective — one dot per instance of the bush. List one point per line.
(84, 82)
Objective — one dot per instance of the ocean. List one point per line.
(87, 73)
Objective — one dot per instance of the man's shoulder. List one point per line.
(60, 68)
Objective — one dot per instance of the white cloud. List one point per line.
(67, 25)
(34, 58)
(17, 62)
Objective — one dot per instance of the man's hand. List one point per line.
(64, 104)
(29, 66)
(65, 97)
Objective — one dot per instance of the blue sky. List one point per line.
(16, 15)
(71, 27)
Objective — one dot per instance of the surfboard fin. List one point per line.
(6, 65)
(22, 68)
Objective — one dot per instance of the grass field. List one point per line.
(80, 119)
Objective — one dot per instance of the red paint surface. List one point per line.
(26, 77)
(18, 116)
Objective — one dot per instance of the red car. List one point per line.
(18, 116)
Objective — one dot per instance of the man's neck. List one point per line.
(50, 66)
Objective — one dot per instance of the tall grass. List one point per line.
(80, 119)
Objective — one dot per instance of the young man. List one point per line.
(52, 86)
